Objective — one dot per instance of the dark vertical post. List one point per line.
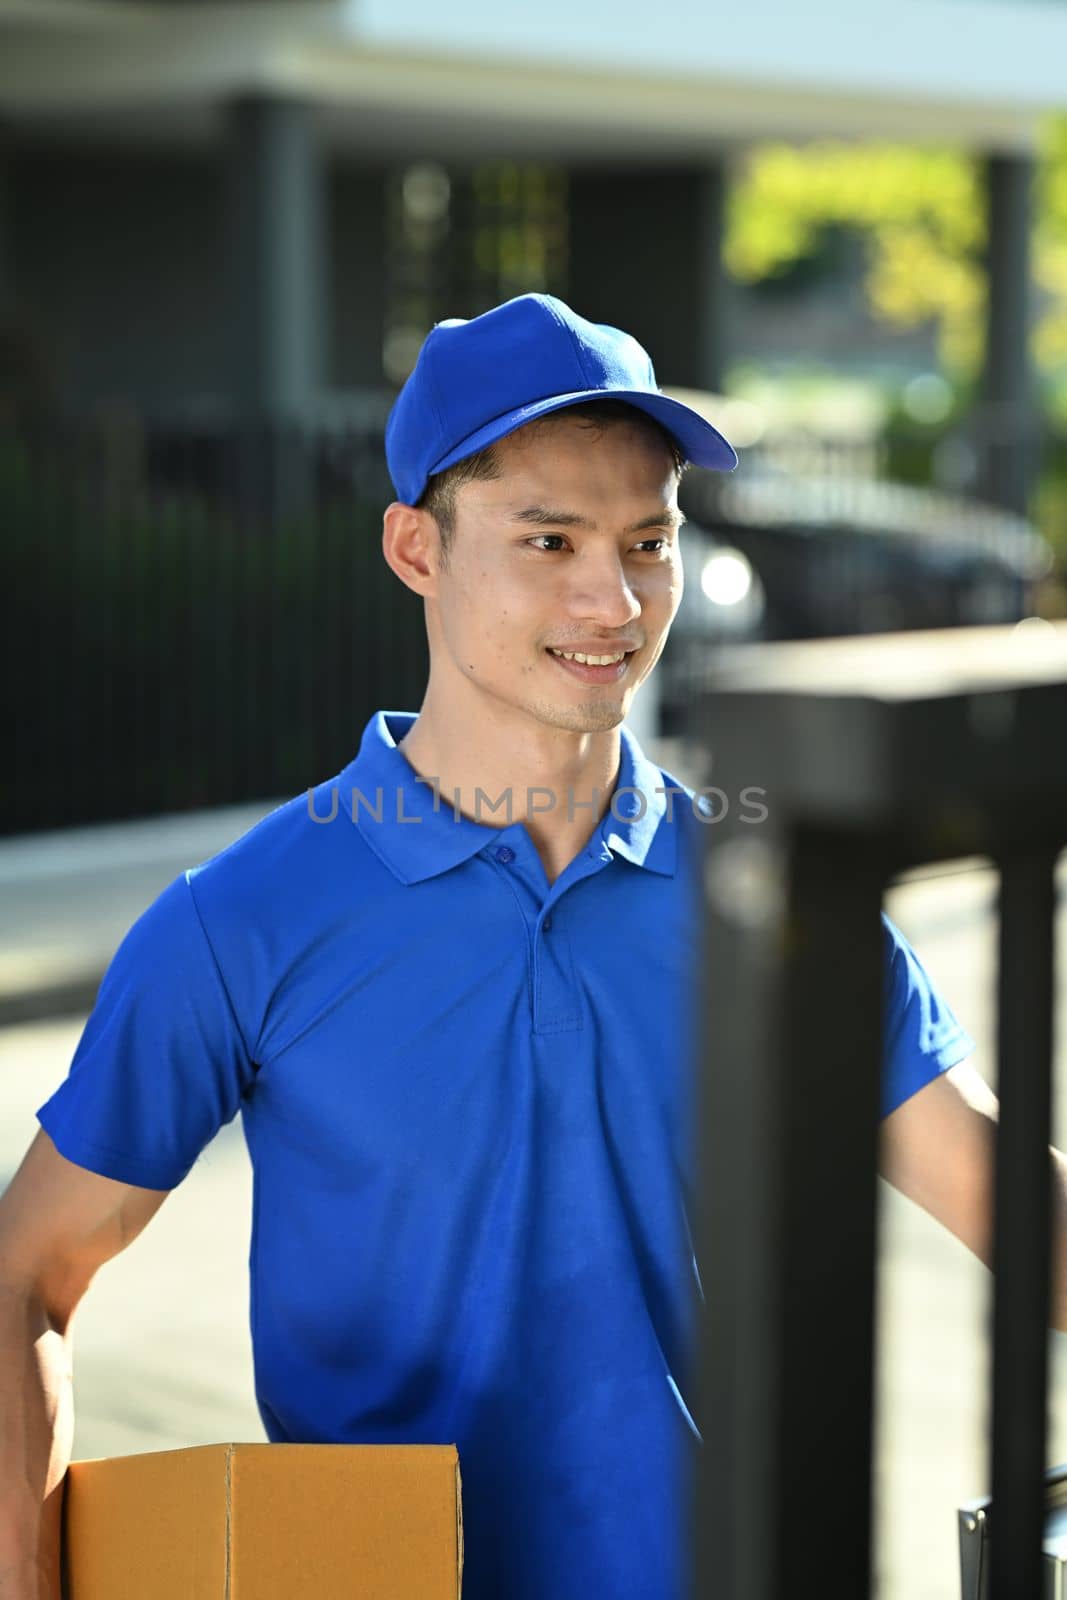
(1007, 440)
(736, 1227)
(7, 272)
(277, 254)
(712, 288)
(1023, 1224)
(831, 1094)
(787, 1229)
(862, 775)
(277, 286)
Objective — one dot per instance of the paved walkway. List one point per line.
(162, 1349)
(67, 898)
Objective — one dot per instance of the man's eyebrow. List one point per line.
(545, 516)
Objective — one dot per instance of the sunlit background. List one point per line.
(225, 231)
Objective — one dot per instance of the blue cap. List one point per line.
(477, 380)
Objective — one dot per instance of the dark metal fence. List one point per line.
(194, 615)
(192, 618)
(876, 755)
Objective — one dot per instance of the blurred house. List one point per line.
(241, 207)
(225, 229)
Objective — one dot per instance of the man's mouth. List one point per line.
(606, 667)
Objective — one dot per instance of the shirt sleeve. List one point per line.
(162, 1063)
(922, 1036)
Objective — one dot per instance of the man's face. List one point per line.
(575, 548)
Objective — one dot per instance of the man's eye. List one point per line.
(647, 544)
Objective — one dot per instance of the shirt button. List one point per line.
(546, 924)
(505, 854)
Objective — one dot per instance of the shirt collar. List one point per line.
(417, 833)
(635, 824)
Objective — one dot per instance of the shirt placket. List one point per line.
(555, 998)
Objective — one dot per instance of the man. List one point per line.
(452, 992)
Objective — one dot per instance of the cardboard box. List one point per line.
(266, 1522)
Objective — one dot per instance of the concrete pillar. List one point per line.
(646, 255)
(1008, 424)
(277, 256)
(277, 296)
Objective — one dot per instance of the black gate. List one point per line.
(193, 618)
(876, 755)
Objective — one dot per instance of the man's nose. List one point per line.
(602, 592)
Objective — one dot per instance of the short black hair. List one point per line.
(439, 495)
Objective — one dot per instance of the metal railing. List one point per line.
(876, 755)
(192, 619)
(198, 613)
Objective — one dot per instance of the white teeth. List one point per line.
(589, 661)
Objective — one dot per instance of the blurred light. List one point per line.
(739, 421)
(1037, 628)
(426, 192)
(927, 398)
(400, 351)
(742, 423)
(726, 578)
(849, 410)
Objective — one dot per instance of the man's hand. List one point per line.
(59, 1223)
(939, 1149)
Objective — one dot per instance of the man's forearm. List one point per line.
(36, 1436)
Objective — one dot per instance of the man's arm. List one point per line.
(939, 1149)
(59, 1223)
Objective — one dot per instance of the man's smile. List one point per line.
(603, 666)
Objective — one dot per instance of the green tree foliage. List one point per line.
(922, 213)
(1050, 245)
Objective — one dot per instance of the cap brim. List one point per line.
(698, 441)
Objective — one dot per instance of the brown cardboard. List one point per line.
(266, 1522)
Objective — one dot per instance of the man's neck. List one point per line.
(558, 783)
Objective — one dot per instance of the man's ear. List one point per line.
(411, 545)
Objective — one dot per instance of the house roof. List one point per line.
(399, 75)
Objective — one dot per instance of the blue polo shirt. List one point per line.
(464, 1094)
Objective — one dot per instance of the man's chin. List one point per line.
(592, 717)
